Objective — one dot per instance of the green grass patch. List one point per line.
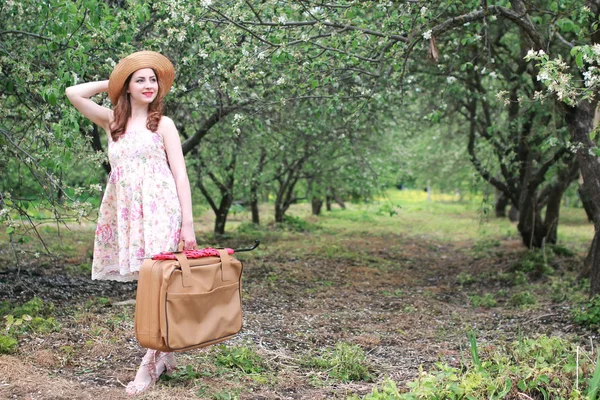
(30, 317)
(587, 313)
(539, 368)
(485, 301)
(522, 299)
(535, 263)
(346, 362)
(241, 357)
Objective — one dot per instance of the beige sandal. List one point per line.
(165, 363)
(149, 364)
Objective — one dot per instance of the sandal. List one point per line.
(165, 363)
(149, 364)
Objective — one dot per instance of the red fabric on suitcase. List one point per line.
(206, 252)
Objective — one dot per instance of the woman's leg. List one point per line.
(146, 374)
(165, 363)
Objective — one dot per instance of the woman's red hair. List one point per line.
(122, 112)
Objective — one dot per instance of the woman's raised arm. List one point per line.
(79, 95)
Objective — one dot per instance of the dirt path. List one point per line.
(397, 297)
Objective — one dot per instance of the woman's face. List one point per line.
(143, 86)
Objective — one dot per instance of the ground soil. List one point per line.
(401, 300)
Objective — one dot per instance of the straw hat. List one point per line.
(142, 59)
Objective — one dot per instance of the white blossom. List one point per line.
(206, 3)
(427, 35)
(502, 94)
(543, 76)
(450, 79)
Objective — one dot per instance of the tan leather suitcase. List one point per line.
(186, 303)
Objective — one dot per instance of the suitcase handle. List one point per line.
(227, 273)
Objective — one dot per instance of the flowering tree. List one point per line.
(220, 72)
(48, 46)
(378, 41)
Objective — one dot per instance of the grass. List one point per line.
(350, 303)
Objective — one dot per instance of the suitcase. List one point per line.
(188, 303)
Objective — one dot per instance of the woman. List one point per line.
(147, 207)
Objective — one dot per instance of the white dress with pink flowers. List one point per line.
(140, 214)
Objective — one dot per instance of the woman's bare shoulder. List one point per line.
(166, 126)
(166, 122)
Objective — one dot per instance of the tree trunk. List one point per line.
(552, 214)
(254, 209)
(279, 212)
(501, 204)
(531, 227)
(513, 213)
(428, 191)
(221, 214)
(588, 205)
(328, 202)
(316, 204)
(580, 121)
(220, 220)
(254, 205)
(255, 184)
(333, 195)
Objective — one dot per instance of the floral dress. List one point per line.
(140, 214)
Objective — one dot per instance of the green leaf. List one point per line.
(10, 230)
(595, 382)
(574, 50)
(579, 60)
(52, 98)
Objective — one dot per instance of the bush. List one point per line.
(8, 344)
(346, 362)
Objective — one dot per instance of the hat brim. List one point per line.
(142, 59)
